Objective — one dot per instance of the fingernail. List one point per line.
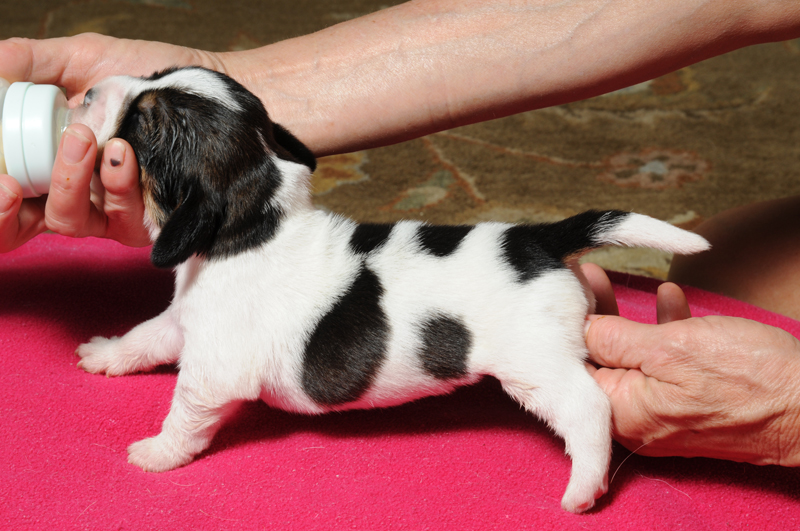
(75, 146)
(587, 324)
(115, 153)
(7, 198)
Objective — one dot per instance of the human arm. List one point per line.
(719, 387)
(419, 67)
(429, 65)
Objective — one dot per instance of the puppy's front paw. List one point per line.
(100, 355)
(156, 455)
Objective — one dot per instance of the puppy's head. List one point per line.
(216, 174)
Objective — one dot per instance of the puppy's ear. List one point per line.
(291, 146)
(190, 229)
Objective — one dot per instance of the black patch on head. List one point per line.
(155, 76)
(442, 240)
(348, 346)
(446, 343)
(534, 249)
(206, 169)
(369, 236)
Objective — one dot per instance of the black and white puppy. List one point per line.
(312, 312)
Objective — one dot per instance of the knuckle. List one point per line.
(603, 335)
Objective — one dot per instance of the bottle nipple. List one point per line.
(33, 119)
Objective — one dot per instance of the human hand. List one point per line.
(77, 204)
(80, 203)
(719, 387)
(78, 63)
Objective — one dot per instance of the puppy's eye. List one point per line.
(90, 94)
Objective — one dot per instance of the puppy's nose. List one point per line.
(87, 100)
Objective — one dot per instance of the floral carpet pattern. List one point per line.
(682, 147)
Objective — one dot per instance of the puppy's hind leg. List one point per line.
(200, 405)
(577, 409)
(154, 342)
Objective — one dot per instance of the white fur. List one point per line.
(238, 327)
(101, 112)
(642, 231)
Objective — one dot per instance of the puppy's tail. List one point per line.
(574, 236)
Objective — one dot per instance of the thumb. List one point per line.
(616, 342)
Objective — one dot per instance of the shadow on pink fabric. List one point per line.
(471, 460)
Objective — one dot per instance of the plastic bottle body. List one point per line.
(33, 119)
(3, 90)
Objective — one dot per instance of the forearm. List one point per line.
(429, 65)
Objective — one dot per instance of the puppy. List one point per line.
(312, 312)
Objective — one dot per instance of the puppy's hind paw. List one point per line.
(156, 455)
(581, 498)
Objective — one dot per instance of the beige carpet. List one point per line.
(682, 147)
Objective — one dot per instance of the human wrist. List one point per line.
(282, 75)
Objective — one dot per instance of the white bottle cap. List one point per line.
(33, 119)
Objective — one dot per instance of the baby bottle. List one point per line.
(33, 120)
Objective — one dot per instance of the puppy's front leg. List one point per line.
(154, 342)
(198, 409)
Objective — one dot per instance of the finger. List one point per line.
(10, 201)
(634, 404)
(617, 383)
(671, 304)
(16, 58)
(123, 206)
(616, 342)
(602, 289)
(19, 220)
(69, 210)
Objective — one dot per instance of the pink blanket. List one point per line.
(472, 460)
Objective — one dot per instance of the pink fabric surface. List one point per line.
(471, 460)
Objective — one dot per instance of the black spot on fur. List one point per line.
(442, 240)
(534, 249)
(369, 236)
(522, 250)
(348, 345)
(446, 343)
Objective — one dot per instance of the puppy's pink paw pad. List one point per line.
(579, 500)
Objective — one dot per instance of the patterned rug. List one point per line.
(682, 147)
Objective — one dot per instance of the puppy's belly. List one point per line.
(384, 392)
